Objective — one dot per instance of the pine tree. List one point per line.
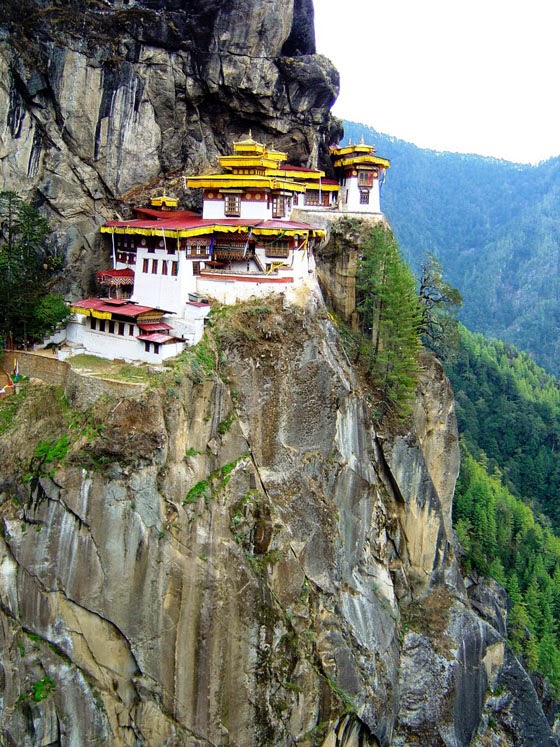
(390, 316)
(27, 263)
(439, 302)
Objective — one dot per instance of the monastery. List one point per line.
(167, 262)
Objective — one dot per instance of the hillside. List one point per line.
(508, 411)
(495, 226)
(506, 505)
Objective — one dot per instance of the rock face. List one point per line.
(234, 555)
(231, 555)
(98, 99)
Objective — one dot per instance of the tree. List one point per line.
(439, 302)
(28, 262)
(390, 317)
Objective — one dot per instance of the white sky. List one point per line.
(473, 76)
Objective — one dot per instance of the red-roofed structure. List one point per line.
(245, 243)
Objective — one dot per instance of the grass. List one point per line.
(110, 369)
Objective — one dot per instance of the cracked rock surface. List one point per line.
(236, 556)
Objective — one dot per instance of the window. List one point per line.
(364, 197)
(121, 328)
(154, 266)
(102, 325)
(164, 267)
(111, 327)
(170, 250)
(174, 268)
(278, 207)
(278, 249)
(145, 265)
(131, 330)
(232, 205)
(312, 197)
(93, 322)
(196, 268)
(365, 178)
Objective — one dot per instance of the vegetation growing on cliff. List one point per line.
(494, 225)
(27, 263)
(390, 320)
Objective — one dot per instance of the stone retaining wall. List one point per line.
(49, 370)
(81, 389)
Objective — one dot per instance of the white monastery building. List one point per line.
(168, 262)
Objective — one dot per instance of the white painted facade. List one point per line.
(155, 281)
(214, 209)
(353, 196)
(80, 338)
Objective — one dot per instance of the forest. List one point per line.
(506, 511)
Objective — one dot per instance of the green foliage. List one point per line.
(51, 313)
(39, 691)
(47, 456)
(201, 359)
(201, 489)
(439, 302)
(42, 689)
(346, 700)
(509, 414)
(27, 263)
(226, 423)
(217, 479)
(502, 538)
(9, 407)
(390, 319)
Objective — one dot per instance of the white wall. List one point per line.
(163, 291)
(352, 204)
(128, 348)
(214, 209)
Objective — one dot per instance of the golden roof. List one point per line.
(164, 201)
(219, 181)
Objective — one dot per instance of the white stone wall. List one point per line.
(350, 197)
(167, 292)
(250, 209)
(113, 346)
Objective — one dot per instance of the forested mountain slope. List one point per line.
(506, 508)
(495, 226)
(508, 410)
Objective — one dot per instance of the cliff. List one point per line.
(98, 99)
(228, 551)
(232, 554)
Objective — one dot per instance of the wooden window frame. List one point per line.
(232, 205)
